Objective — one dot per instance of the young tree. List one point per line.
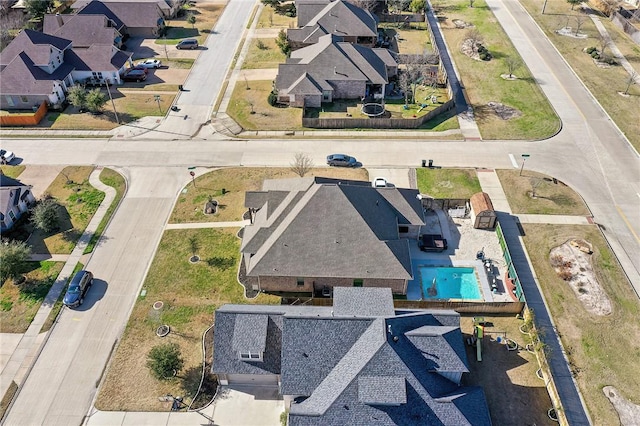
(44, 215)
(580, 20)
(365, 4)
(471, 2)
(512, 64)
(77, 96)
(283, 42)
(38, 8)
(631, 80)
(474, 35)
(417, 6)
(301, 164)
(165, 361)
(573, 3)
(191, 18)
(95, 100)
(194, 245)
(604, 41)
(13, 256)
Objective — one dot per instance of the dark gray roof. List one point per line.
(348, 231)
(305, 85)
(96, 7)
(363, 302)
(332, 60)
(250, 333)
(306, 10)
(23, 77)
(443, 346)
(133, 14)
(382, 390)
(97, 57)
(82, 30)
(35, 44)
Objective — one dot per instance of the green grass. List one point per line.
(550, 198)
(604, 84)
(55, 310)
(115, 180)
(267, 57)
(19, 303)
(448, 183)
(602, 350)
(191, 293)
(236, 181)
(12, 171)
(482, 78)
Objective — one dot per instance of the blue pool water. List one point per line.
(450, 283)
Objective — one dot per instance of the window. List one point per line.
(24, 99)
(300, 282)
(403, 229)
(251, 356)
(10, 101)
(11, 215)
(357, 283)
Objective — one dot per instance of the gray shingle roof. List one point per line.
(363, 302)
(382, 390)
(23, 77)
(347, 231)
(250, 333)
(306, 10)
(133, 14)
(98, 57)
(82, 30)
(443, 346)
(35, 44)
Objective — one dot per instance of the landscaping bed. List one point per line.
(190, 293)
(448, 183)
(235, 182)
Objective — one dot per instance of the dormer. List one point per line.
(382, 390)
(250, 337)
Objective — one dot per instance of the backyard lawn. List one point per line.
(602, 350)
(604, 83)
(263, 53)
(190, 293)
(448, 183)
(483, 80)
(550, 197)
(235, 181)
(414, 40)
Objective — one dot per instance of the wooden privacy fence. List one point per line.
(24, 119)
(376, 122)
(458, 306)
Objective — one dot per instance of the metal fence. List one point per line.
(510, 268)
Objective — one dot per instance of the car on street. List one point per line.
(78, 288)
(135, 75)
(150, 63)
(379, 182)
(6, 156)
(341, 160)
(189, 43)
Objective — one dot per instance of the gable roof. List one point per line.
(82, 30)
(331, 59)
(162, 4)
(11, 191)
(97, 57)
(36, 45)
(306, 10)
(96, 7)
(355, 369)
(133, 14)
(23, 77)
(323, 230)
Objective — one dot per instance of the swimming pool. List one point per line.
(449, 283)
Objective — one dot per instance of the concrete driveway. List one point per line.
(395, 176)
(248, 406)
(40, 177)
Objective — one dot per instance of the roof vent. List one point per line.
(389, 329)
(304, 354)
(395, 339)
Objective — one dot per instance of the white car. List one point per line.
(150, 63)
(6, 156)
(379, 182)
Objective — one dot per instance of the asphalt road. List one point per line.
(589, 155)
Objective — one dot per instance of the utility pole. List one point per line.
(544, 5)
(113, 104)
(157, 99)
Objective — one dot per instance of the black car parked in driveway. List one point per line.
(135, 75)
(78, 287)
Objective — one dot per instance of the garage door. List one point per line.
(253, 379)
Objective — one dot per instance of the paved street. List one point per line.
(589, 154)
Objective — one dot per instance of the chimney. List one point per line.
(59, 19)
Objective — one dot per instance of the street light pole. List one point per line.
(524, 157)
(113, 104)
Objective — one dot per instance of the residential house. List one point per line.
(85, 30)
(15, 200)
(169, 8)
(360, 361)
(310, 235)
(140, 18)
(341, 18)
(333, 69)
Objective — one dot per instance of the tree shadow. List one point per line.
(220, 262)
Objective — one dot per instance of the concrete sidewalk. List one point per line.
(32, 341)
(237, 224)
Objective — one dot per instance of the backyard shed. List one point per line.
(482, 213)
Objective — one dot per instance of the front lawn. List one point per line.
(190, 293)
(178, 28)
(483, 80)
(19, 303)
(263, 53)
(602, 350)
(550, 197)
(12, 171)
(269, 18)
(448, 183)
(235, 182)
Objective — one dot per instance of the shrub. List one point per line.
(273, 98)
(260, 44)
(590, 50)
(45, 215)
(165, 361)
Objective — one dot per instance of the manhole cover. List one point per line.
(158, 305)
(163, 330)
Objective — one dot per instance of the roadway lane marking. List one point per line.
(627, 223)
(513, 161)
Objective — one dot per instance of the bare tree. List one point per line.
(471, 2)
(365, 4)
(512, 64)
(302, 164)
(604, 41)
(609, 7)
(580, 20)
(474, 35)
(535, 183)
(631, 80)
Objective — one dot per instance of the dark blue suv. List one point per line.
(78, 287)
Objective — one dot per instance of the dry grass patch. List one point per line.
(508, 378)
(265, 117)
(270, 19)
(236, 181)
(603, 83)
(20, 302)
(482, 78)
(206, 18)
(263, 53)
(12, 171)
(550, 197)
(191, 293)
(413, 40)
(602, 350)
(448, 183)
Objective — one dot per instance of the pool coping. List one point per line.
(480, 271)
